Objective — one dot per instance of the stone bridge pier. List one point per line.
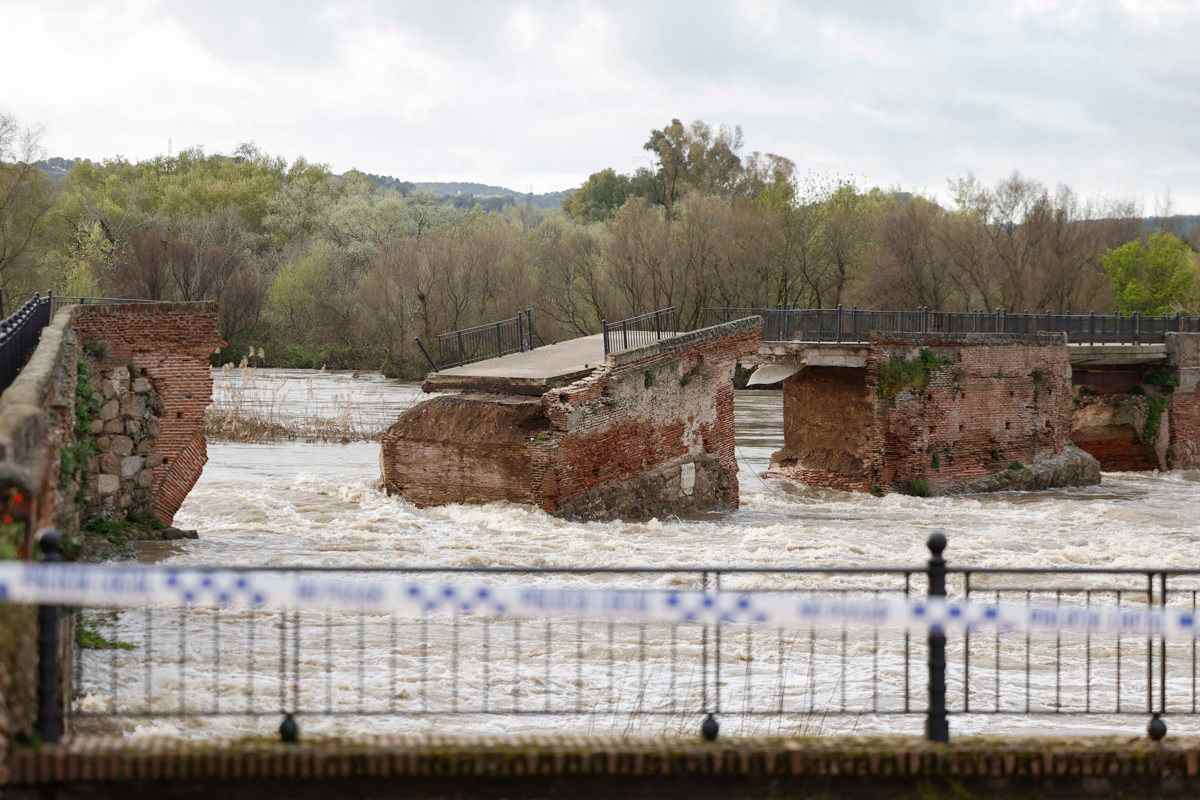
(929, 414)
(937, 414)
(637, 434)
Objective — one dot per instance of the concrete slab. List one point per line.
(1115, 355)
(769, 374)
(532, 372)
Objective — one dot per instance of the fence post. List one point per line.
(1137, 328)
(839, 322)
(461, 356)
(1178, 321)
(1092, 327)
(625, 334)
(937, 726)
(657, 327)
(529, 325)
(520, 334)
(49, 685)
(925, 319)
(425, 353)
(604, 335)
(499, 343)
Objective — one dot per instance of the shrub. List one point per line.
(917, 487)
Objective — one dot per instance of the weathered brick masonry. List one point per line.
(946, 411)
(648, 433)
(1144, 414)
(1183, 356)
(170, 344)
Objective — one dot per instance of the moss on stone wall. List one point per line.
(73, 457)
(899, 373)
(1156, 405)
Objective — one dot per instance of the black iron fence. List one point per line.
(19, 336)
(857, 325)
(639, 331)
(323, 669)
(455, 348)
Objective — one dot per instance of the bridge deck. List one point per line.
(531, 372)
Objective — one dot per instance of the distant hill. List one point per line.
(463, 194)
(1185, 226)
(56, 168)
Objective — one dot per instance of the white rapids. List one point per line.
(296, 504)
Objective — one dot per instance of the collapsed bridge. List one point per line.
(637, 421)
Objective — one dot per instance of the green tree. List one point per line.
(1155, 275)
(599, 198)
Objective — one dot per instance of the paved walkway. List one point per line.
(532, 372)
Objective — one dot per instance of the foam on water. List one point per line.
(306, 505)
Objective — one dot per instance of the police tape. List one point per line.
(136, 586)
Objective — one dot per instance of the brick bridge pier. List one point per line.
(942, 413)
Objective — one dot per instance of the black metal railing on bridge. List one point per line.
(639, 331)
(315, 667)
(455, 348)
(858, 325)
(19, 336)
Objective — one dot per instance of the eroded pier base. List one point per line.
(644, 433)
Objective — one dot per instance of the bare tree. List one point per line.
(26, 196)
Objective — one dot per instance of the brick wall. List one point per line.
(828, 429)
(170, 344)
(987, 403)
(648, 433)
(1183, 356)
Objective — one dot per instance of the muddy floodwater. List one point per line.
(297, 504)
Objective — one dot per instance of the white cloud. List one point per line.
(1099, 95)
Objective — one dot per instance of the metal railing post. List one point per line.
(520, 334)
(461, 356)
(499, 342)
(49, 685)
(529, 325)
(1092, 327)
(624, 334)
(1137, 328)
(604, 335)
(425, 353)
(937, 726)
(839, 322)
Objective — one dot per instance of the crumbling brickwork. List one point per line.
(1183, 358)
(939, 411)
(648, 433)
(168, 345)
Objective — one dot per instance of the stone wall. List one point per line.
(1143, 415)
(1183, 356)
(166, 348)
(648, 433)
(149, 363)
(36, 420)
(935, 414)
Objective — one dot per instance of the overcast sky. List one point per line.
(1103, 95)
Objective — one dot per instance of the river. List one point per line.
(317, 504)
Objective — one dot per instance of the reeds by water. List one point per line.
(250, 407)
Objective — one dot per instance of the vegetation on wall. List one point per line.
(1156, 406)
(74, 456)
(899, 373)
